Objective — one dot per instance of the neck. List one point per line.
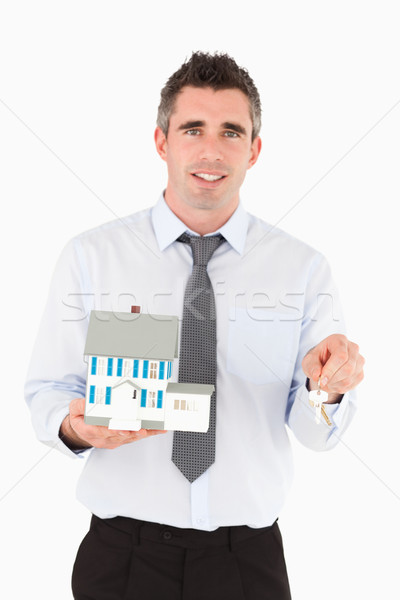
(201, 220)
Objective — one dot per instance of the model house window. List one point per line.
(143, 399)
(190, 405)
(127, 367)
(134, 395)
(145, 369)
(135, 368)
(100, 395)
(159, 398)
(169, 369)
(153, 370)
(92, 392)
(108, 395)
(161, 371)
(110, 366)
(151, 400)
(119, 367)
(101, 366)
(94, 365)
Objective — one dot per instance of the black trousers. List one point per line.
(127, 559)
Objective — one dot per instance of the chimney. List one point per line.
(135, 309)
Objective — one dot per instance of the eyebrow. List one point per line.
(227, 125)
(235, 127)
(191, 125)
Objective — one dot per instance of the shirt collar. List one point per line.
(168, 227)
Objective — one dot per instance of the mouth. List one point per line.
(208, 179)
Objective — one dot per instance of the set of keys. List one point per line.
(316, 399)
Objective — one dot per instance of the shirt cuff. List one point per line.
(333, 411)
(49, 409)
(320, 436)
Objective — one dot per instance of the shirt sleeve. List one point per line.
(57, 371)
(322, 316)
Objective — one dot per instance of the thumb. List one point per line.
(313, 367)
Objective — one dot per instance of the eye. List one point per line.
(231, 134)
(193, 132)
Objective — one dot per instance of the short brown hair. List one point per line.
(218, 71)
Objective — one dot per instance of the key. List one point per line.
(316, 398)
(324, 414)
(323, 411)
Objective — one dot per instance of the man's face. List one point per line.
(208, 149)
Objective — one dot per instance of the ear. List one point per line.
(254, 151)
(161, 143)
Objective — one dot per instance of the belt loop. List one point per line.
(137, 525)
(230, 538)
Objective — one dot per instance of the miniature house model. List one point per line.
(130, 358)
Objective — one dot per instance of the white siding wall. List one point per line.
(186, 419)
(104, 380)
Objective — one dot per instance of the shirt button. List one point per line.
(200, 521)
(167, 535)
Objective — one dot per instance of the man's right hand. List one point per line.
(78, 436)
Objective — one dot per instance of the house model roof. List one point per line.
(132, 335)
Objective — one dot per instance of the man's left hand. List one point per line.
(339, 364)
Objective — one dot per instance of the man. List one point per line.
(156, 532)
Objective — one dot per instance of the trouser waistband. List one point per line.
(186, 538)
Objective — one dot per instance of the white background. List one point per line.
(79, 89)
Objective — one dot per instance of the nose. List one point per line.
(211, 149)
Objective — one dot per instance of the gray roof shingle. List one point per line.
(130, 335)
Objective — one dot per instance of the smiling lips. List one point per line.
(209, 177)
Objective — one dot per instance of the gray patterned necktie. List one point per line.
(194, 452)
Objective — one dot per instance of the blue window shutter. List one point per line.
(145, 369)
(143, 399)
(94, 365)
(169, 369)
(161, 371)
(108, 395)
(135, 368)
(91, 394)
(119, 367)
(159, 398)
(109, 366)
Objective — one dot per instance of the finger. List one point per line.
(131, 436)
(312, 365)
(348, 377)
(98, 436)
(315, 361)
(112, 439)
(144, 433)
(125, 432)
(127, 437)
(342, 361)
(88, 432)
(345, 373)
(339, 357)
(77, 407)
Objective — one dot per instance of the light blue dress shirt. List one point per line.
(275, 299)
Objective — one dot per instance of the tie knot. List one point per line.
(202, 247)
